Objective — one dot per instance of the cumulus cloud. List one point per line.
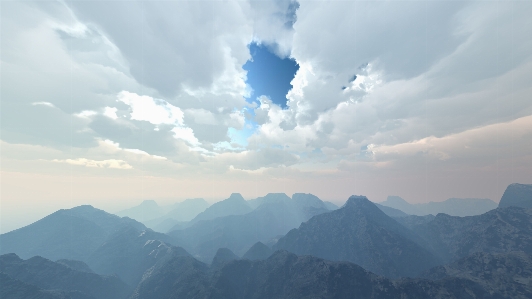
(380, 85)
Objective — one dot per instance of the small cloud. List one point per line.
(111, 163)
(86, 113)
(48, 104)
(155, 111)
(186, 134)
(141, 152)
(110, 112)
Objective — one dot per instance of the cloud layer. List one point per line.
(396, 94)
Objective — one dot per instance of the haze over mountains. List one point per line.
(452, 206)
(275, 246)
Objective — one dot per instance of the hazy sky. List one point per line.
(112, 102)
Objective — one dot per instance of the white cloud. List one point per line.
(110, 112)
(155, 111)
(110, 163)
(187, 135)
(48, 104)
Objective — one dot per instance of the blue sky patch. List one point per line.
(268, 74)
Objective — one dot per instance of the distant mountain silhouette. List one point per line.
(147, 210)
(45, 274)
(517, 195)
(499, 230)
(259, 251)
(163, 218)
(66, 234)
(276, 215)
(452, 206)
(285, 275)
(412, 220)
(361, 233)
(391, 211)
(234, 205)
(223, 256)
(187, 209)
(508, 274)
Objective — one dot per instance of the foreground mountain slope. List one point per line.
(361, 233)
(499, 230)
(509, 274)
(275, 216)
(285, 275)
(11, 288)
(45, 274)
(66, 234)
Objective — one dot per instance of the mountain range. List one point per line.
(275, 246)
(452, 206)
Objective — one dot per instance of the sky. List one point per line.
(109, 103)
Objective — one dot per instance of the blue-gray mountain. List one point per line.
(259, 251)
(499, 230)
(287, 276)
(45, 274)
(234, 205)
(66, 234)
(508, 274)
(452, 206)
(517, 195)
(129, 252)
(15, 289)
(276, 215)
(361, 233)
(163, 218)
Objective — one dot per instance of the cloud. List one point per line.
(111, 163)
(146, 108)
(48, 104)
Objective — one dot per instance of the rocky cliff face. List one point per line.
(500, 230)
(285, 275)
(508, 274)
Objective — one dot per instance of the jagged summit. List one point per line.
(518, 195)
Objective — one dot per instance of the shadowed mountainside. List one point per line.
(285, 275)
(361, 233)
(66, 234)
(45, 274)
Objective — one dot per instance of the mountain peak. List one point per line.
(236, 196)
(149, 203)
(222, 256)
(357, 200)
(518, 195)
(259, 251)
(396, 199)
